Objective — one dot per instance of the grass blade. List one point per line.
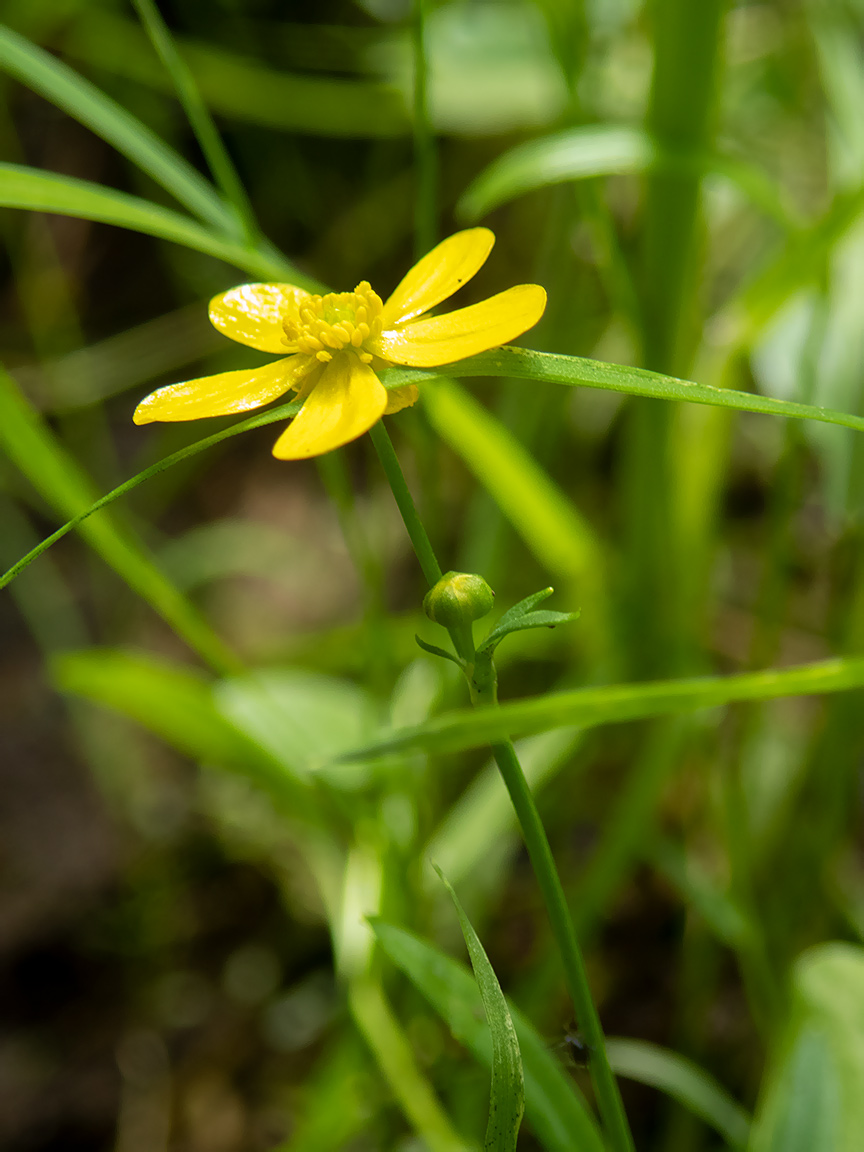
(23, 187)
(79, 98)
(197, 114)
(576, 371)
(553, 1106)
(614, 704)
(685, 1082)
(602, 150)
(811, 1098)
(507, 1099)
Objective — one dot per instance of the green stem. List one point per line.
(405, 503)
(534, 834)
(425, 155)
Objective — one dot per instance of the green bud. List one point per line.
(458, 599)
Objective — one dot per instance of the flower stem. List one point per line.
(533, 833)
(405, 502)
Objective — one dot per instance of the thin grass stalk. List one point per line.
(680, 117)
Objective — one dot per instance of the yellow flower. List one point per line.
(335, 344)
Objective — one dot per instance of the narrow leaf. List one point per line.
(434, 650)
(553, 1105)
(22, 187)
(523, 623)
(577, 371)
(79, 98)
(614, 704)
(602, 150)
(507, 1099)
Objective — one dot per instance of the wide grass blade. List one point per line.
(685, 1082)
(553, 1106)
(576, 371)
(615, 704)
(507, 1099)
(602, 150)
(32, 447)
(22, 187)
(812, 1099)
(79, 98)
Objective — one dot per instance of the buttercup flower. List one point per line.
(332, 346)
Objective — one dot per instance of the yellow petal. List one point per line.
(347, 400)
(252, 314)
(443, 339)
(399, 398)
(223, 394)
(439, 274)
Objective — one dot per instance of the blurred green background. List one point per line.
(166, 925)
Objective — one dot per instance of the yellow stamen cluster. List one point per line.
(321, 325)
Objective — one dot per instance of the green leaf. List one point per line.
(812, 1099)
(577, 371)
(553, 1106)
(22, 187)
(301, 719)
(614, 704)
(507, 1099)
(601, 150)
(176, 703)
(38, 454)
(685, 1082)
(79, 98)
(522, 617)
(434, 650)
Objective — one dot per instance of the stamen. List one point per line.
(337, 321)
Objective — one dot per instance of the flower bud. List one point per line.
(458, 599)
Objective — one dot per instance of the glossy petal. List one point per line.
(439, 274)
(443, 339)
(252, 314)
(222, 394)
(347, 400)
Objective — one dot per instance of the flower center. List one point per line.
(321, 325)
